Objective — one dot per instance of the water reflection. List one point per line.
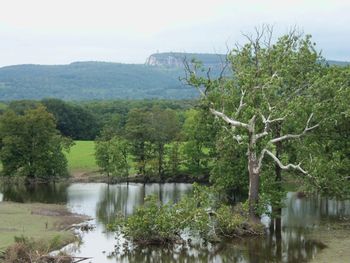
(53, 193)
(286, 241)
(124, 198)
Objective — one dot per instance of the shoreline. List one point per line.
(96, 177)
(38, 222)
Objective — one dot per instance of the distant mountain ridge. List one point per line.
(157, 78)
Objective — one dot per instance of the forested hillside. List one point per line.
(91, 80)
(157, 78)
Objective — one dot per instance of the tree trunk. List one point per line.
(254, 174)
(142, 169)
(277, 211)
(160, 160)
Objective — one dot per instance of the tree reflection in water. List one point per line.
(52, 193)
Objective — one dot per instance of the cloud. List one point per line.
(61, 31)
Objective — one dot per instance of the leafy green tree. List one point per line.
(174, 157)
(112, 156)
(330, 144)
(31, 146)
(72, 120)
(249, 101)
(137, 131)
(164, 126)
(199, 132)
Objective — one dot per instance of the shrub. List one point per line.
(201, 213)
(152, 223)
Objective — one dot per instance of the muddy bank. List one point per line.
(337, 239)
(96, 177)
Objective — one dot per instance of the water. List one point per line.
(102, 202)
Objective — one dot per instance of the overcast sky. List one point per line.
(62, 31)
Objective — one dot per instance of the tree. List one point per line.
(137, 131)
(31, 146)
(249, 102)
(72, 120)
(330, 161)
(164, 126)
(112, 156)
(199, 132)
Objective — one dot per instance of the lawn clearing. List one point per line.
(81, 157)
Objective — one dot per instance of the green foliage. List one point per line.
(137, 132)
(174, 158)
(112, 156)
(268, 95)
(149, 131)
(229, 171)
(92, 80)
(202, 213)
(330, 144)
(73, 121)
(199, 131)
(152, 223)
(31, 146)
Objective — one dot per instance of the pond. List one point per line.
(292, 243)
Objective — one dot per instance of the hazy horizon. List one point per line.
(61, 32)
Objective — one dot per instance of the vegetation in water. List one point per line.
(201, 213)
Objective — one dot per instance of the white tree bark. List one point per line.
(280, 164)
(296, 136)
(228, 120)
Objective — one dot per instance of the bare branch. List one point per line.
(296, 136)
(208, 73)
(241, 103)
(261, 135)
(267, 123)
(280, 164)
(274, 75)
(236, 137)
(228, 120)
(225, 64)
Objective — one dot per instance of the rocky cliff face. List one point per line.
(166, 60)
(176, 59)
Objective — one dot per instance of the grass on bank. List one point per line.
(38, 221)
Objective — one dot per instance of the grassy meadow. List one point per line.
(38, 221)
(81, 157)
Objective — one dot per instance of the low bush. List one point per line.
(201, 214)
(27, 250)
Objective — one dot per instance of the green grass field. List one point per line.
(81, 157)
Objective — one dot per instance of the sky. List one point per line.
(128, 31)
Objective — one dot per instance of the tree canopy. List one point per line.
(31, 146)
(260, 103)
